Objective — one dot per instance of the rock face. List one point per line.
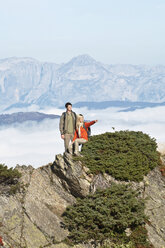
(32, 217)
(155, 191)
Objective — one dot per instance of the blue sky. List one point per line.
(111, 31)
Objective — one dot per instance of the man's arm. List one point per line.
(61, 126)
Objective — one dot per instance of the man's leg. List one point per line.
(70, 147)
(67, 139)
(71, 137)
(77, 143)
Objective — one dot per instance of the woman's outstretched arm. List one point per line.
(88, 124)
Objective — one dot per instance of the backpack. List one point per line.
(88, 130)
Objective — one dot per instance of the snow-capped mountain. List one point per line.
(26, 81)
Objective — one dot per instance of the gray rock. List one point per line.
(72, 174)
(155, 209)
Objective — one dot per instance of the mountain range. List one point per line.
(27, 81)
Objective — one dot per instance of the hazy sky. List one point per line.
(111, 31)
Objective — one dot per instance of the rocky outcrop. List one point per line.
(155, 208)
(32, 217)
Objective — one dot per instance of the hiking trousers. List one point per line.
(77, 142)
(68, 137)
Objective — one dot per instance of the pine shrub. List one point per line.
(10, 178)
(126, 155)
(8, 175)
(105, 215)
(139, 238)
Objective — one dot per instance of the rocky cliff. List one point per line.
(31, 218)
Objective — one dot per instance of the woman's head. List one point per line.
(80, 120)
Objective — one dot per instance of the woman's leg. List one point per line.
(78, 142)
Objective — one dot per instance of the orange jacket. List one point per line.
(84, 134)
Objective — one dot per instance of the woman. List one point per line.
(81, 135)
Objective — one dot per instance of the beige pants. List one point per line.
(67, 139)
(78, 142)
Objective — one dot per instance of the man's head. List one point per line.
(68, 106)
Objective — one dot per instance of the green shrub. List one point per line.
(14, 188)
(128, 245)
(126, 155)
(139, 237)
(8, 175)
(105, 215)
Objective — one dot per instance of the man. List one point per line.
(67, 125)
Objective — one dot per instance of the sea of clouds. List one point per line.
(37, 144)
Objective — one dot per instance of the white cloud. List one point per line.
(30, 143)
(37, 144)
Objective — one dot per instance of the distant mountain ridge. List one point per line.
(20, 117)
(118, 104)
(26, 81)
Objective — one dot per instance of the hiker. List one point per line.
(81, 133)
(67, 125)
